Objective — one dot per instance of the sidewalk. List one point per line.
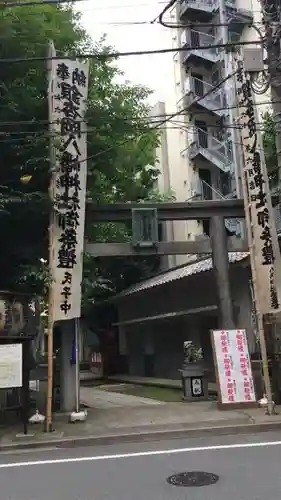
(121, 424)
(100, 399)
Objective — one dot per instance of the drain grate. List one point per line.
(194, 478)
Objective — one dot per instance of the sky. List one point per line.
(154, 71)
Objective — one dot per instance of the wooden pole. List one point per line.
(49, 410)
(259, 316)
(77, 365)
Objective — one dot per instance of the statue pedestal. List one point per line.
(194, 381)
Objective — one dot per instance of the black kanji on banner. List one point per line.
(255, 180)
(67, 200)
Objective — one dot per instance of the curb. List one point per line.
(161, 385)
(92, 440)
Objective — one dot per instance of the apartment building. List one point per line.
(210, 147)
(202, 145)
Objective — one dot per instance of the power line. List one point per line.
(41, 2)
(144, 125)
(114, 55)
(122, 23)
(145, 129)
(128, 6)
(159, 18)
(164, 118)
(100, 153)
(58, 2)
(150, 23)
(62, 2)
(189, 25)
(184, 128)
(149, 119)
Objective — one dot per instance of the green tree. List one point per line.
(121, 143)
(269, 138)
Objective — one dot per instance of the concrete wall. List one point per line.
(183, 176)
(173, 173)
(164, 156)
(160, 342)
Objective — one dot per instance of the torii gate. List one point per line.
(216, 211)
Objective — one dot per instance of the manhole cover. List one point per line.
(194, 478)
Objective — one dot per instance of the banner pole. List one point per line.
(49, 410)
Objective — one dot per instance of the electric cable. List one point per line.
(58, 2)
(149, 119)
(159, 18)
(32, 3)
(114, 55)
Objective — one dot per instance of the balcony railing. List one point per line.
(217, 152)
(205, 191)
(197, 39)
(203, 5)
(235, 13)
(210, 97)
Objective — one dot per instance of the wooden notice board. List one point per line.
(233, 369)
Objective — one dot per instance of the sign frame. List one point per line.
(19, 347)
(220, 403)
(193, 394)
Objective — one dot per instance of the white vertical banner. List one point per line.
(233, 367)
(69, 89)
(257, 200)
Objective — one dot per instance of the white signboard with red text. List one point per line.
(233, 367)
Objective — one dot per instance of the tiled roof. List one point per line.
(179, 273)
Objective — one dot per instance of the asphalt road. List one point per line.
(249, 468)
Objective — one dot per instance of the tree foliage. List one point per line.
(269, 138)
(121, 145)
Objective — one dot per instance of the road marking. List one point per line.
(140, 454)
